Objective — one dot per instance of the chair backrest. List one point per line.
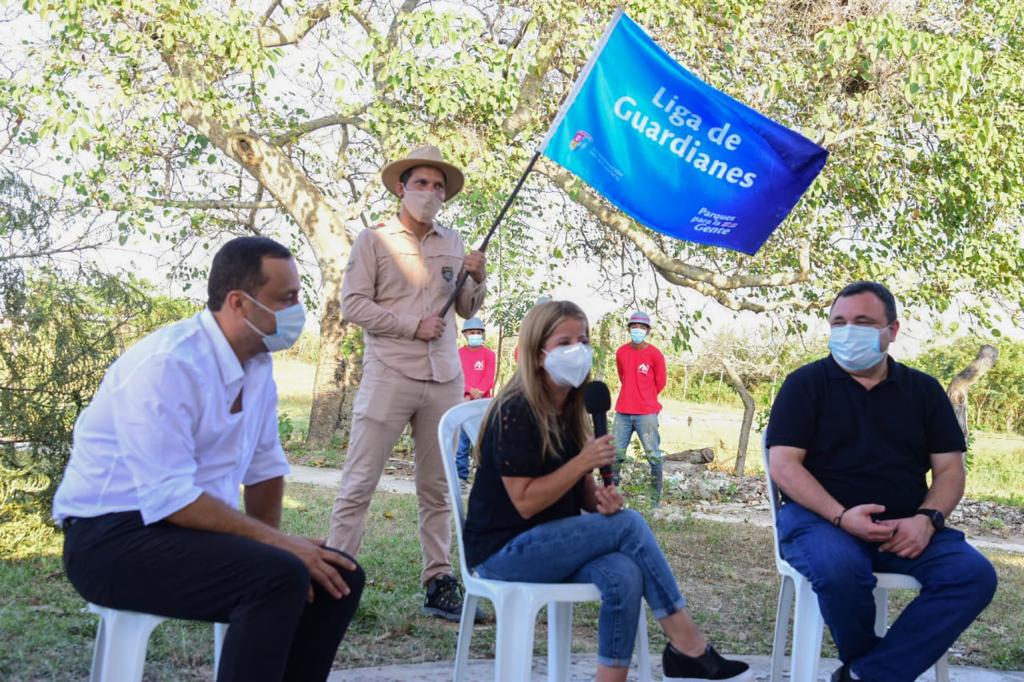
(774, 498)
(466, 416)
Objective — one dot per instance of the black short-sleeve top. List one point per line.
(511, 446)
(866, 446)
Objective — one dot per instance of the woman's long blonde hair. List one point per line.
(529, 381)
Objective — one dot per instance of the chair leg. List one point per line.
(881, 611)
(782, 614)
(125, 637)
(465, 635)
(942, 669)
(220, 631)
(807, 632)
(559, 641)
(643, 648)
(96, 671)
(513, 646)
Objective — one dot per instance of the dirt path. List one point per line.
(747, 503)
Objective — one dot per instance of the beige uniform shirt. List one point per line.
(394, 280)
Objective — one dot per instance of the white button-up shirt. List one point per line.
(159, 431)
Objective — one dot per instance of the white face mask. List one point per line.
(856, 348)
(569, 365)
(422, 205)
(289, 321)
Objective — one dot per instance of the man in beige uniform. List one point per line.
(399, 276)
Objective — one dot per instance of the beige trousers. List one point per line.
(385, 402)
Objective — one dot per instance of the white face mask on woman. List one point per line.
(422, 205)
(569, 365)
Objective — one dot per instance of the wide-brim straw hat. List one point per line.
(427, 155)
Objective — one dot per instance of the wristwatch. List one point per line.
(938, 520)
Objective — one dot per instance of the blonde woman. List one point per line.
(535, 478)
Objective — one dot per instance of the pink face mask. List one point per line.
(422, 205)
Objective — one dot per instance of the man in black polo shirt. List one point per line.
(851, 438)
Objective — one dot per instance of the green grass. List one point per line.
(726, 572)
(997, 472)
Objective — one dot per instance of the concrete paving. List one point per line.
(584, 666)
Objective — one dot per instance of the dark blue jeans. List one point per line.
(957, 583)
(462, 456)
(618, 553)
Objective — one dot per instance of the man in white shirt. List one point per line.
(149, 500)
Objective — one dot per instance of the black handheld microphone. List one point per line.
(598, 400)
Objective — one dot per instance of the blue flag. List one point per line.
(673, 152)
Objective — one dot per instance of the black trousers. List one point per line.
(261, 591)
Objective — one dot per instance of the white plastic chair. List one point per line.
(515, 604)
(808, 625)
(122, 638)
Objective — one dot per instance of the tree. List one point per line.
(61, 325)
(201, 131)
(274, 118)
(916, 103)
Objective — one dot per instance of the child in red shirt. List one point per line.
(478, 366)
(642, 372)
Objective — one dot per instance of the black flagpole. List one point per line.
(463, 276)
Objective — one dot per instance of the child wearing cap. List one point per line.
(478, 367)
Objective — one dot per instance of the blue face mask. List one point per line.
(637, 335)
(856, 348)
(289, 321)
(475, 340)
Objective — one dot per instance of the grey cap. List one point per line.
(473, 323)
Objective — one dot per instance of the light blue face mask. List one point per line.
(856, 348)
(290, 322)
(475, 340)
(637, 335)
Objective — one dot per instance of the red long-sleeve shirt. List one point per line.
(643, 376)
(478, 366)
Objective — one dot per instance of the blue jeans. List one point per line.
(646, 427)
(618, 553)
(957, 584)
(462, 456)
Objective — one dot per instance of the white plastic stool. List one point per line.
(121, 641)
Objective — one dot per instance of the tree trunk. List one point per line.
(338, 372)
(748, 414)
(957, 390)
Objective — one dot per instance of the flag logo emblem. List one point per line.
(580, 140)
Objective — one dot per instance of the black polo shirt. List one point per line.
(866, 446)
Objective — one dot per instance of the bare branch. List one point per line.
(277, 36)
(197, 204)
(46, 253)
(957, 390)
(316, 124)
(251, 222)
(270, 10)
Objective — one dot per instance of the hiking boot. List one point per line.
(444, 600)
(678, 667)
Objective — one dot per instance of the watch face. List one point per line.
(938, 520)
